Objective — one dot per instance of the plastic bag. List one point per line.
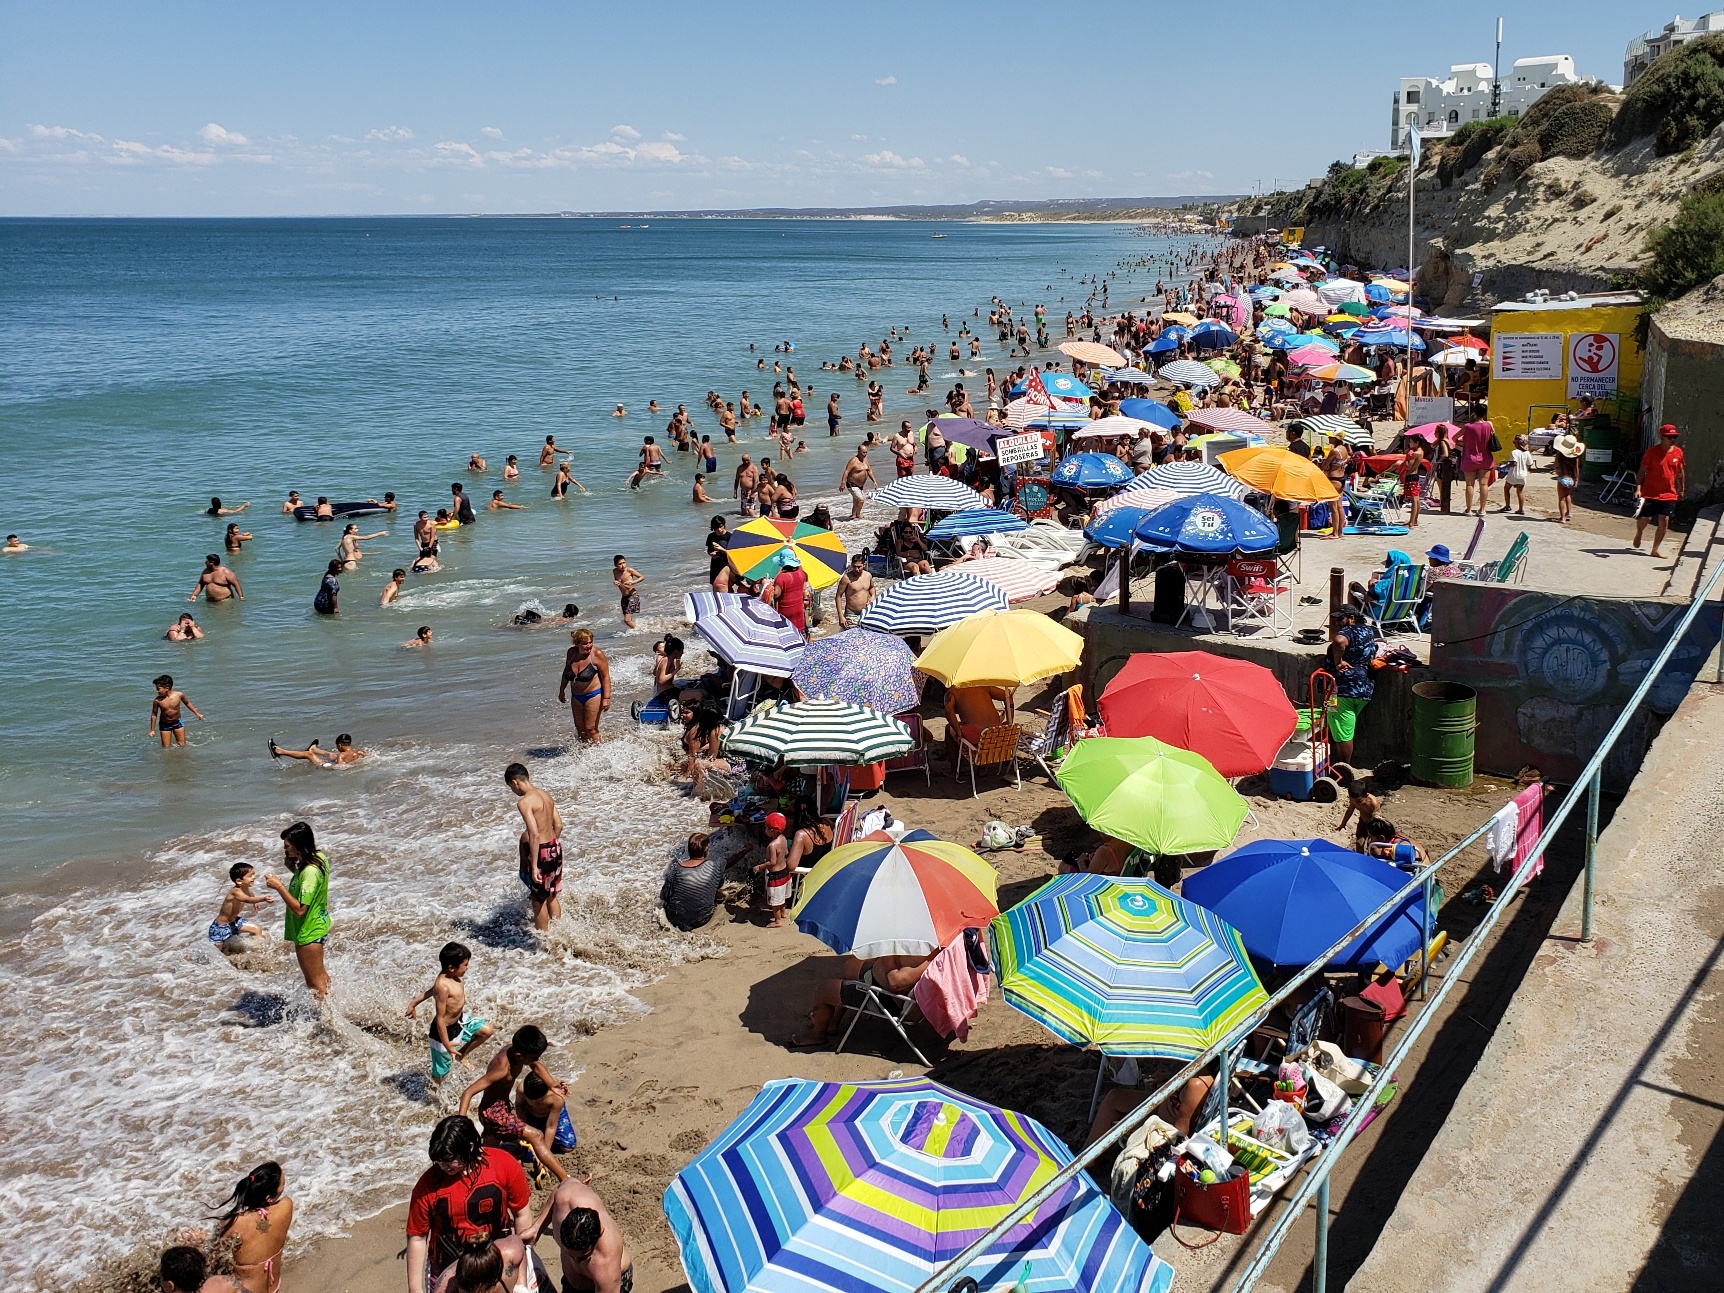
(1324, 1101)
(1281, 1127)
(1203, 1150)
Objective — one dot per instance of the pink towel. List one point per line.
(949, 992)
(1530, 804)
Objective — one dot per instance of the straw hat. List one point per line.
(1568, 445)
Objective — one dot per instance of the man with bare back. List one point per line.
(541, 846)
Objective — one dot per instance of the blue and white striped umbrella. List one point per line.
(1091, 471)
(1129, 377)
(941, 493)
(1188, 372)
(928, 603)
(973, 521)
(871, 1186)
(1189, 478)
(1396, 335)
(745, 632)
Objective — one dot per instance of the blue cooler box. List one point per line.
(1293, 773)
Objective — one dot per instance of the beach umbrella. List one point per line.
(1156, 796)
(1208, 525)
(1234, 713)
(1428, 431)
(1062, 385)
(877, 896)
(1226, 367)
(1299, 340)
(871, 1186)
(1393, 286)
(1140, 497)
(1129, 377)
(1306, 302)
(971, 432)
(1457, 357)
(1354, 309)
(813, 733)
(1181, 318)
(1339, 372)
(1188, 372)
(974, 521)
(1338, 291)
(1329, 424)
(1263, 292)
(1189, 478)
(1280, 473)
(1001, 649)
(1020, 413)
(1152, 411)
(745, 632)
(1090, 352)
(1164, 344)
(1212, 335)
(756, 550)
(1114, 529)
(1279, 310)
(1020, 580)
(860, 667)
(1125, 966)
(1310, 356)
(1291, 899)
(926, 604)
(1401, 312)
(1274, 327)
(1113, 427)
(1233, 420)
(1176, 332)
(1467, 340)
(1091, 471)
(1397, 335)
(940, 493)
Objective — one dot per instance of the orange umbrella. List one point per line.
(1093, 352)
(1280, 473)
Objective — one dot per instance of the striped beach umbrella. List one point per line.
(814, 733)
(1020, 580)
(1188, 372)
(1328, 424)
(1125, 966)
(860, 667)
(870, 1187)
(925, 491)
(878, 896)
(1189, 478)
(1020, 413)
(745, 632)
(756, 550)
(1139, 497)
(928, 603)
(1229, 420)
(973, 521)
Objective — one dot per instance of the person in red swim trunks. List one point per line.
(541, 846)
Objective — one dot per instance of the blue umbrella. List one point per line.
(1152, 411)
(1178, 331)
(977, 520)
(1213, 336)
(1291, 899)
(1384, 335)
(1375, 293)
(1062, 384)
(1211, 525)
(1313, 339)
(1162, 345)
(1115, 529)
(1091, 471)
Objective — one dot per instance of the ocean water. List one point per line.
(148, 365)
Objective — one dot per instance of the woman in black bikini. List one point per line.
(586, 684)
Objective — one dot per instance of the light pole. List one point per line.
(1497, 73)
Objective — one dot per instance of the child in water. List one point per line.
(454, 1032)
(228, 921)
(165, 712)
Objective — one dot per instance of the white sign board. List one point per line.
(1015, 450)
(1526, 357)
(1426, 409)
(1592, 362)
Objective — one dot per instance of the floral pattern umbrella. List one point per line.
(860, 667)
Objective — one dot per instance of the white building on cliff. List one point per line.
(1678, 31)
(1439, 107)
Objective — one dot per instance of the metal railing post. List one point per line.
(1592, 792)
(1425, 938)
(1320, 1253)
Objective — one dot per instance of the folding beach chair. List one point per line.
(1304, 1027)
(916, 757)
(1397, 606)
(1510, 567)
(1259, 595)
(997, 747)
(1287, 550)
(874, 1001)
(1040, 747)
(1473, 543)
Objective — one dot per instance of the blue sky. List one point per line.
(373, 106)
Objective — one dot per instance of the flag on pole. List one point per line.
(1037, 394)
(1413, 141)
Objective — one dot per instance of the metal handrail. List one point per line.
(1318, 1181)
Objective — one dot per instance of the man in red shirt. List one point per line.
(790, 591)
(1663, 479)
(469, 1193)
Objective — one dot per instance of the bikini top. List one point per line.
(585, 675)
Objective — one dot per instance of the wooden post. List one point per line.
(1337, 588)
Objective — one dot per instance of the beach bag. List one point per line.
(1224, 1207)
(1325, 1101)
(1495, 446)
(1153, 1203)
(1329, 1061)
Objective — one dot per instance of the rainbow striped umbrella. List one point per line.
(757, 549)
(870, 1187)
(879, 897)
(1124, 965)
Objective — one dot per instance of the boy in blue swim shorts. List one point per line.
(453, 1031)
(230, 920)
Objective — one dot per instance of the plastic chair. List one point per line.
(1397, 606)
(917, 755)
(1512, 567)
(1287, 550)
(874, 1001)
(996, 747)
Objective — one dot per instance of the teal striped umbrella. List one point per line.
(1124, 965)
(813, 733)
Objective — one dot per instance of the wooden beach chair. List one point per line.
(997, 747)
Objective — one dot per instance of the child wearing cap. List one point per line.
(777, 867)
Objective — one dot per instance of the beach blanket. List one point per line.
(949, 992)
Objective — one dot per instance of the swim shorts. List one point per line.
(1344, 717)
(171, 724)
(857, 495)
(550, 872)
(777, 889)
(501, 1119)
(441, 1059)
(220, 933)
(1652, 508)
(630, 603)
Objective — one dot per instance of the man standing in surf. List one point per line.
(541, 846)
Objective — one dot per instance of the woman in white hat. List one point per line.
(1569, 451)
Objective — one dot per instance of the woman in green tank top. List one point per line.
(306, 898)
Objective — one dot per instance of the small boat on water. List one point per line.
(936, 235)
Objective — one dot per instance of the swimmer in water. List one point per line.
(216, 509)
(323, 511)
(699, 495)
(348, 549)
(318, 757)
(292, 502)
(621, 412)
(235, 537)
(426, 562)
(420, 639)
(548, 453)
(512, 468)
(14, 545)
(165, 712)
(475, 462)
(565, 478)
(392, 589)
(186, 629)
(498, 505)
(217, 583)
(530, 617)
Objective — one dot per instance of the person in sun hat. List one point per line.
(790, 590)
(1569, 450)
(1442, 565)
(1662, 481)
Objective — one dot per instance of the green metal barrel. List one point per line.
(1603, 449)
(1445, 716)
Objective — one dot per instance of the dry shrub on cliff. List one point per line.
(1467, 147)
(1678, 100)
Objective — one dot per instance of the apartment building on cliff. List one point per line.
(1439, 106)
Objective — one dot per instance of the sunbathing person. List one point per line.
(894, 974)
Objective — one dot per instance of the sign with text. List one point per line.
(1592, 362)
(1430, 408)
(1015, 450)
(1526, 357)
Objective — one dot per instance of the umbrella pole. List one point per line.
(1095, 1096)
(1223, 1073)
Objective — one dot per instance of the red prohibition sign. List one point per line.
(1594, 353)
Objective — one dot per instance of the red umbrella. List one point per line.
(1232, 712)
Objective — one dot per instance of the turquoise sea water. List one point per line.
(148, 365)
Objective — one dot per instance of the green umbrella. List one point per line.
(1356, 308)
(1156, 796)
(1277, 311)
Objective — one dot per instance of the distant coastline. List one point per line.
(1054, 210)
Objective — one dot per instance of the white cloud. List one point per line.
(625, 132)
(131, 151)
(390, 134)
(1058, 172)
(885, 80)
(490, 132)
(659, 152)
(62, 132)
(453, 150)
(214, 134)
(861, 139)
(674, 137)
(7, 146)
(1193, 175)
(958, 159)
(886, 157)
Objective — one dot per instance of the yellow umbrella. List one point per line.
(1181, 317)
(1280, 473)
(1286, 264)
(1394, 285)
(992, 649)
(1093, 352)
(1340, 318)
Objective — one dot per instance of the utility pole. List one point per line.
(1497, 73)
